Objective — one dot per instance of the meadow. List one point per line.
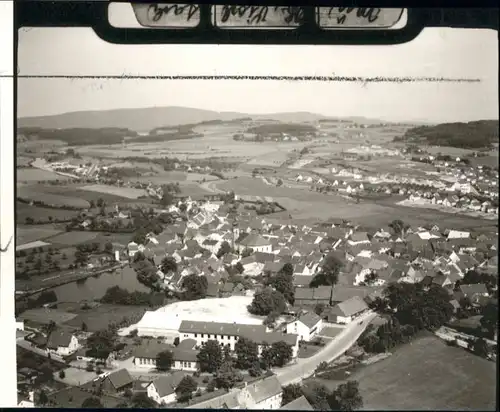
(31, 175)
(428, 375)
(38, 194)
(43, 214)
(27, 234)
(125, 192)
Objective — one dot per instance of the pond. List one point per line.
(95, 287)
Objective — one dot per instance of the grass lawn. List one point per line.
(125, 192)
(100, 317)
(429, 375)
(24, 210)
(41, 193)
(27, 234)
(35, 175)
(331, 332)
(306, 351)
(75, 376)
(74, 238)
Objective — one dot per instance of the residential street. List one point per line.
(305, 367)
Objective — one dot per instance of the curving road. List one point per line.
(304, 367)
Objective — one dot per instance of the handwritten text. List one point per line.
(262, 15)
(341, 13)
(157, 11)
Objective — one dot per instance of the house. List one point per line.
(307, 326)
(341, 293)
(458, 234)
(299, 404)
(184, 356)
(255, 242)
(162, 389)
(264, 393)
(63, 343)
(313, 296)
(358, 238)
(345, 312)
(227, 334)
(74, 396)
(474, 291)
(132, 249)
(111, 382)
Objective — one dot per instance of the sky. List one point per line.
(437, 52)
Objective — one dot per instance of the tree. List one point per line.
(92, 402)
(227, 375)
(247, 353)
(166, 199)
(168, 264)
(290, 393)
(346, 397)
(210, 356)
(141, 400)
(224, 249)
(267, 301)
(100, 202)
(164, 360)
(185, 389)
(319, 308)
(318, 397)
(108, 247)
(399, 227)
(283, 283)
(281, 353)
(195, 287)
(329, 272)
(62, 374)
(43, 399)
(246, 252)
(479, 347)
(101, 343)
(489, 321)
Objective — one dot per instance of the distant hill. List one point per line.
(146, 119)
(471, 135)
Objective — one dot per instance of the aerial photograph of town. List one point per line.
(257, 244)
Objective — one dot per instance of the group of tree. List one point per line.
(194, 287)
(101, 343)
(346, 397)
(474, 277)
(282, 282)
(185, 388)
(409, 309)
(329, 273)
(224, 249)
(214, 359)
(119, 296)
(146, 272)
(471, 135)
(267, 301)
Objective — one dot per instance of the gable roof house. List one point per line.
(111, 382)
(313, 296)
(62, 342)
(162, 389)
(306, 326)
(346, 311)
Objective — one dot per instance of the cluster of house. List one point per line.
(113, 388)
(463, 202)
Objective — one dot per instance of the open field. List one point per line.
(193, 189)
(427, 374)
(126, 192)
(74, 238)
(37, 194)
(100, 317)
(38, 213)
(36, 175)
(174, 176)
(306, 206)
(76, 191)
(27, 234)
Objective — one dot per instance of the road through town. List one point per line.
(305, 366)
